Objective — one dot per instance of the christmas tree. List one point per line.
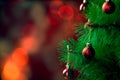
(96, 52)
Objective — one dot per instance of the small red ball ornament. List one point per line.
(83, 5)
(88, 52)
(108, 7)
(68, 74)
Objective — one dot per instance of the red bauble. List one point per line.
(68, 74)
(83, 6)
(65, 73)
(88, 52)
(108, 7)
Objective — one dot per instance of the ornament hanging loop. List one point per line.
(108, 0)
(84, 1)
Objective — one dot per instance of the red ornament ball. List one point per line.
(83, 6)
(68, 74)
(108, 7)
(88, 52)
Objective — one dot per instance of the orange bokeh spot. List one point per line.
(20, 57)
(10, 71)
(27, 43)
(15, 65)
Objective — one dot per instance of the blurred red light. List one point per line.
(66, 12)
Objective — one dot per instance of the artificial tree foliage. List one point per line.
(105, 39)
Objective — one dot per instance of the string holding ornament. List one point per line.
(88, 52)
(88, 24)
(68, 72)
